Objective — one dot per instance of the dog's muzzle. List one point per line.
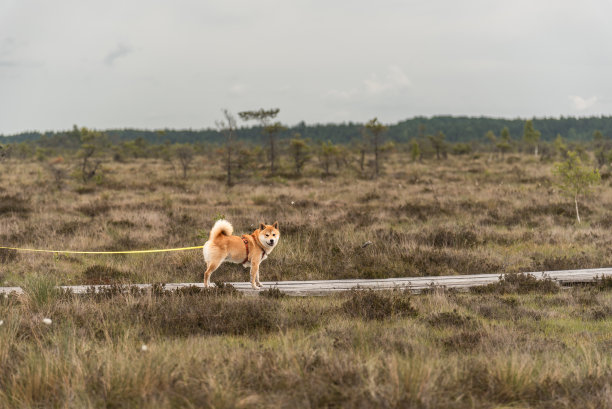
(271, 243)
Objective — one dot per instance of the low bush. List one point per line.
(518, 283)
(452, 319)
(95, 208)
(378, 305)
(186, 315)
(273, 292)
(14, 204)
(101, 274)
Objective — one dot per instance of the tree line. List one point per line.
(455, 129)
(366, 152)
(88, 149)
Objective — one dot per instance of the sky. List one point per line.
(176, 64)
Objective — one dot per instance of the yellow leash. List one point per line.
(102, 252)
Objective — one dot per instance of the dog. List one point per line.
(248, 250)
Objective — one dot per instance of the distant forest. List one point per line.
(456, 129)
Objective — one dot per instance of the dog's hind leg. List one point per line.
(213, 260)
(210, 268)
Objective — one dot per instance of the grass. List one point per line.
(459, 216)
(358, 349)
(518, 343)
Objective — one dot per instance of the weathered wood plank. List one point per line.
(414, 284)
(8, 290)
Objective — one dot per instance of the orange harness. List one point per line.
(246, 246)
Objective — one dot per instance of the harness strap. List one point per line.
(246, 246)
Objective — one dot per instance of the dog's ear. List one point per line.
(275, 225)
(262, 226)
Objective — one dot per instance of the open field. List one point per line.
(459, 216)
(528, 344)
(521, 346)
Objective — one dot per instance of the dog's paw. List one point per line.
(255, 287)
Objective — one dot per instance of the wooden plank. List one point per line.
(414, 284)
(9, 290)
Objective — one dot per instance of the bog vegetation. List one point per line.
(517, 344)
(428, 207)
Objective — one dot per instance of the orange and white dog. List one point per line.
(249, 250)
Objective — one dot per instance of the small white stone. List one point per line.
(144, 348)
(47, 321)
(292, 203)
(1, 322)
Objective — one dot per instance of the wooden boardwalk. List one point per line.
(414, 284)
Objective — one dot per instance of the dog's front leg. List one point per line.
(255, 275)
(257, 282)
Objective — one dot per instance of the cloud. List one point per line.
(237, 89)
(340, 94)
(7, 48)
(7, 44)
(120, 51)
(394, 79)
(391, 81)
(582, 104)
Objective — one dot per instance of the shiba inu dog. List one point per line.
(249, 250)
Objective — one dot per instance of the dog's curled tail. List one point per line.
(221, 227)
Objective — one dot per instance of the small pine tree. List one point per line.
(415, 150)
(300, 152)
(228, 128)
(184, 153)
(376, 129)
(271, 129)
(439, 144)
(327, 152)
(601, 147)
(575, 179)
(93, 144)
(560, 146)
(531, 136)
(503, 143)
(505, 134)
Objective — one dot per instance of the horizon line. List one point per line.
(313, 124)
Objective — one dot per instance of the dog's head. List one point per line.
(269, 234)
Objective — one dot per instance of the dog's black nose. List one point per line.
(271, 241)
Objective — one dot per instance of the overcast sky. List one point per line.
(176, 64)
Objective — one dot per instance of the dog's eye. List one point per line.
(274, 235)
(267, 235)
